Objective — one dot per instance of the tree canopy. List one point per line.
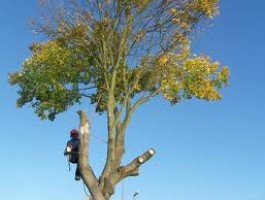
(135, 49)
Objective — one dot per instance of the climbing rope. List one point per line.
(85, 191)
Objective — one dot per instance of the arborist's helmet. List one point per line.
(74, 133)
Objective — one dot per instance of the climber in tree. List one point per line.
(72, 151)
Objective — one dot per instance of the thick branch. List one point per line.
(87, 174)
(121, 128)
(132, 169)
(111, 108)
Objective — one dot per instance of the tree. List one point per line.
(118, 54)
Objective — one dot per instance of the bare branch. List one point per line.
(144, 99)
(132, 169)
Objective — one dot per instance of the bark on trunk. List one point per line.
(87, 174)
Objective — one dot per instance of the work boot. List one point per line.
(77, 174)
(77, 178)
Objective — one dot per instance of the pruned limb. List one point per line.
(132, 169)
(87, 174)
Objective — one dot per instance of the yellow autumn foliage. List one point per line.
(207, 7)
(197, 76)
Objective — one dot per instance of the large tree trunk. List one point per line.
(103, 188)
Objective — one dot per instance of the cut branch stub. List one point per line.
(132, 169)
(83, 119)
(146, 156)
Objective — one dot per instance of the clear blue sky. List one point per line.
(205, 151)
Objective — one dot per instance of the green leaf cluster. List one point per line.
(90, 55)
